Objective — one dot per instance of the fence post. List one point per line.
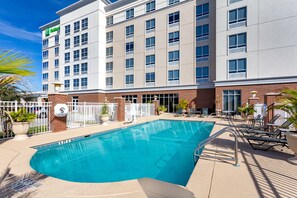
(156, 103)
(15, 105)
(121, 108)
(84, 114)
(57, 124)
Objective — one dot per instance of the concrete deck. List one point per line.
(260, 174)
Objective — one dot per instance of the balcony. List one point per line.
(237, 49)
(238, 24)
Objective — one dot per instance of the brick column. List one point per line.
(269, 99)
(120, 109)
(253, 101)
(157, 104)
(57, 124)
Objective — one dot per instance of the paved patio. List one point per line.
(260, 174)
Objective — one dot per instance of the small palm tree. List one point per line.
(14, 63)
(288, 103)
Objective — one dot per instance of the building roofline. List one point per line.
(78, 5)
(50, 24)
(118, 4)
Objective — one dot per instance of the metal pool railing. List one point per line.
(198, 150)
(38, 126)
(82, 114)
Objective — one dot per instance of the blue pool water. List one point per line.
(161, 150)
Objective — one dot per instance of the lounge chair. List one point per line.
(268, 125)
(178, 113)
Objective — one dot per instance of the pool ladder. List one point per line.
(198, 150)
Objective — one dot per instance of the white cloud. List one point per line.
(19, 33)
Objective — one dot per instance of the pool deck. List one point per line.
(260, 174)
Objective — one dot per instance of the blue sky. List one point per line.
(19, 28)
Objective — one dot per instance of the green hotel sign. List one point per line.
(48, 31)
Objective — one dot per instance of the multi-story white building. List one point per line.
(208, 52)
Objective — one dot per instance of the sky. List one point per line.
(19, 29)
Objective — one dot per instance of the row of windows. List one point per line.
(45, 53)
(46, 41)
(76, 40)
(83, 83)
(76, 55)
(77, 69)
(150, 6)
(45, 76)
(45, 64)
(76, 26)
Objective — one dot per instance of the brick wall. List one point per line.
(245, 91)
(57, 124)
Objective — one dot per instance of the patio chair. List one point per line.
(178, 113)
(268, 125)
(192, 113)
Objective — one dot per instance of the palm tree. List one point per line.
(14, 63)
(288, 103)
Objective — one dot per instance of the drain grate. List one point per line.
(24, 184)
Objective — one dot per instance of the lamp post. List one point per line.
(57, 86)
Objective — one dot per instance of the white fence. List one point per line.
(283, 118)
(85, 114)
(39, 125)
(138, 110)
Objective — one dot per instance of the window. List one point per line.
(67, 30)
(173, 75)
(45, 54)
(237, 15)
(174, 17)
(129, 79)
(169, 100)
(109, 67)
(45, 76)
(76, 69)
(109, 20)
(84, 24)
(202, 74)
(76, 41)
(76, 83)
(150, 6)
(56, 75)
(84, 53)
(150, 42)
(174, 37)
(76, 55)
(237, 66)
(237, 41)
(67, 71)
(130, 31)
(202, 31)
(57, 39)
(84, 68)
(130, 13)
(109, 51)
(150, 77)
(76, 26)
(202, 51)
(45, 43)
(84, 83)
(150, 24)
(45, 65)
(67, 84)
(84, 38)
(173, 56)
(231, 100)
(202, 11)
(171, 2)
(130, 47)
(56, 51)
(150, 60)
(56, 63)
(129, 63)
(67, 43)
(109, 37)
(45, 87)
(109, 81)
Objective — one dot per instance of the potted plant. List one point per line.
(247, 111)
(162, 109)
(183, 104)
(20, 120)
(288, 103)
(104, 116)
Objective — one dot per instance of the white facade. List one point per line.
(271, 44)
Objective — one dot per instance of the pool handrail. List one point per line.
(200, 146)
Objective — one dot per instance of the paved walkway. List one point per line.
(261, 174)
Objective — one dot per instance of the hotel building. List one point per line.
(211, 53)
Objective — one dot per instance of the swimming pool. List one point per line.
(160, 150)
